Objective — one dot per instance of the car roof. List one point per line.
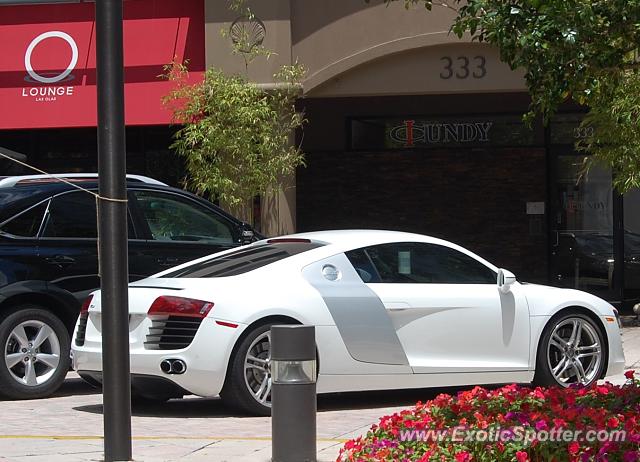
(347, 239)
(22, 192)
(23, 180)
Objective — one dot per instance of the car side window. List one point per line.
(71, 215)
(173, 218)
(27, 224)
(363, 265)
(425, 263)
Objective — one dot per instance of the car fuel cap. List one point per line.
(330, 273)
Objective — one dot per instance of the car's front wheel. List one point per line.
(572, 350)
(35, 346)
(248, 382)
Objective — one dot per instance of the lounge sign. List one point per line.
(424, 133)
(48, 67)
(49, 92)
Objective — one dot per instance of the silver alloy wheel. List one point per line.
(257, 369)
(32, 353)
(574, 352)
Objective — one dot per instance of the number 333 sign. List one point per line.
(463, 67)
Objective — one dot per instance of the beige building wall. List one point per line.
(354, 48)
(275, 14)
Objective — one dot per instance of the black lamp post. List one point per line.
(112, 226)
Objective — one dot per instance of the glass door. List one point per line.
(582, 251)
(632, 246)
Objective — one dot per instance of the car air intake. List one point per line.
(175, 322)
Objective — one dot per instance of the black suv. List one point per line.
(49, 262)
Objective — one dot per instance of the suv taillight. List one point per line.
(86, 304)
(180, 306)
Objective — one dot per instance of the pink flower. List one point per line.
(631, 456)
(463, 456)
(522, 456)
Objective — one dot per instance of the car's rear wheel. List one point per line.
(248, 382)
(35, 346)
(572, 350)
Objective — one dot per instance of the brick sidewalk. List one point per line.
(68, 427)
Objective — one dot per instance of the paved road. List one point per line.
(68, 426)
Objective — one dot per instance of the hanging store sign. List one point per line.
(409, 133)
(48, 67)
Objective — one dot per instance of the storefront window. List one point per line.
(371, 134)
(582, 238)
(632, 244)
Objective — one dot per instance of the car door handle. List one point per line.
(397, 306)
(60, 260)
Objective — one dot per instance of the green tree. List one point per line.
(235, 136)
(580, 50)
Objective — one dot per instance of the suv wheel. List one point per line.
(35, 353)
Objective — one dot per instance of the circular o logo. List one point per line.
(51, 34)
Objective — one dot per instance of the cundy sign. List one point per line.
(412, 133)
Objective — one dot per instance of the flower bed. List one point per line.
(512, 423)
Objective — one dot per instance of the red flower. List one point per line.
(629, 374)
(559, 423)
(573, 448)
(613, 422)
(522, 456)
(463, 456)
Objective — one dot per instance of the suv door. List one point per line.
(68, 245)
(19, 245)
(174, 229)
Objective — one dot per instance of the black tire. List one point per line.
(57, 342)
(235, 391)
(544, 375)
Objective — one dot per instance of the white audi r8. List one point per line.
(390, 309)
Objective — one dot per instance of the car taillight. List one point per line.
(180, 306)
(85, 306)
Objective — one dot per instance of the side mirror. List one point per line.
(246, 234)
(505, 280)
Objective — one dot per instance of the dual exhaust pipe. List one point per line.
(173, 366)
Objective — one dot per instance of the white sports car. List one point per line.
(391, 310)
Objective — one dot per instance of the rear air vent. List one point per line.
(82, 328)
(172, 333)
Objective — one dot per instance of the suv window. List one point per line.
(173, 218)
(27, 224)
(72, 215)
(243, 260)
(411, 262)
